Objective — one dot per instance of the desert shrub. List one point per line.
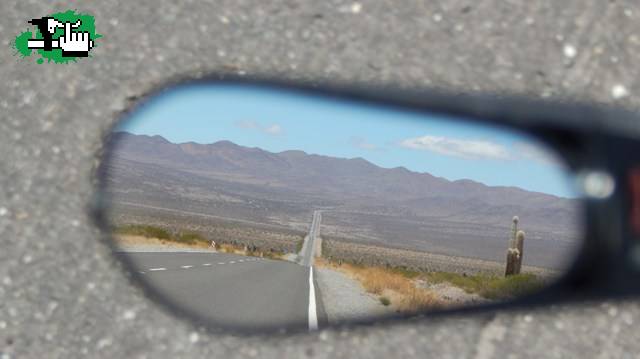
(191, 238)
(490, 286)
(513, 286)
(406, 272)
(144, 230)
(160, 233)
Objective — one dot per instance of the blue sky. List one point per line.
(280, 120)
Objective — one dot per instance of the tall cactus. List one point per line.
(520, 249)
(515, 250)
(512, 259)
(514, 231)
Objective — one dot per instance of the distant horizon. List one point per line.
(341, 158)
(277, 121)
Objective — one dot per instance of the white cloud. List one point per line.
(251, 125)
(540, 154)
(273, 129)
(362, 143)
(463, 148)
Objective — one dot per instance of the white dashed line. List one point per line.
(204, 264)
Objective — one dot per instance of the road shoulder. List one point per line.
(344, 299)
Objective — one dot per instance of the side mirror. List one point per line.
(261, 206)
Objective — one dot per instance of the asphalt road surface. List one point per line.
(239, 292)
(307, 251)
(232, 291)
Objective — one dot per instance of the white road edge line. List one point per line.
(207, 264)
(313, 314)
(186, 267)
(156, 269)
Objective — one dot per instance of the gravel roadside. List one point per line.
(345, 299)
(452, 295)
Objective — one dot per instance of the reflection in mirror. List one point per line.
(259, 209)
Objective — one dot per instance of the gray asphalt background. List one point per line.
(63, 296)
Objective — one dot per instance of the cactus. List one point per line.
(514, 231)
(512, 262)
(520, 249)
(515, 250)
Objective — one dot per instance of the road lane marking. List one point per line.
(232, 262)
(220, 262)
(207, 264)
(186, 267)
(313, 313)
(156, 269)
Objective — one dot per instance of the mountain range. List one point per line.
(230, 180)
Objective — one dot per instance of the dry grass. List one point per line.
(395, 287)
(236, 249)
(228, 248)
(189, 239)
(126, 240)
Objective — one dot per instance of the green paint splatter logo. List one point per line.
(59, 38)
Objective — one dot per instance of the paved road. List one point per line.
(308, 248)
(240, 292)
(234, 291)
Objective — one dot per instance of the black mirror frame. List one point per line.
(586, 136)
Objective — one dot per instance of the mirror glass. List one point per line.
(261, 209)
